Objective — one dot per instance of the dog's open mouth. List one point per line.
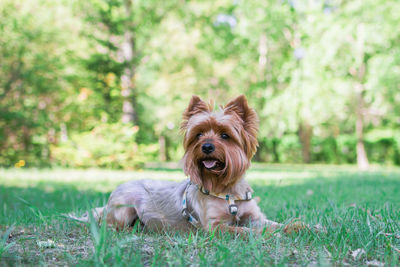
(212, 164)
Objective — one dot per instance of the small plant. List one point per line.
(35, 211)
(99, 236)
(4, 247)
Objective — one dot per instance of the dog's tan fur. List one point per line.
(232, 131)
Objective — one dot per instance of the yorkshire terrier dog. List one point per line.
(219, 145)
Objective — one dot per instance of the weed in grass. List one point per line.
(35, 211)
(4, 247)
(99, 236)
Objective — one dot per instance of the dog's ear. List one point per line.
(250, 121)
(196, 105)
(239, 106)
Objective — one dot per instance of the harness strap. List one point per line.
(185, 213)
(233, 208)
(247, 195)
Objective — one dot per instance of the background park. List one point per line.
(92, 94)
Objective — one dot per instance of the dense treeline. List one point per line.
(104, 82)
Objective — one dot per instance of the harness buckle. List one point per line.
(233, 209)
(248, 195)
(204, 191)
(185, 214)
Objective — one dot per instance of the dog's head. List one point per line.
(218, 144)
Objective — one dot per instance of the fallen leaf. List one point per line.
(46, 244)
(356, 254)
(374, 263)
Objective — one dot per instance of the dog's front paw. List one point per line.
(295, 226)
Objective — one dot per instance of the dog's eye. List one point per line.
(199, 135)
(224, 136)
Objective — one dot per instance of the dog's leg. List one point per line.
(271, 226)
(121, 216)
(295, 226)
(266, 226)
(98, 213)
(243, 231)
(254, 218)
(217, 225)
(232, 229)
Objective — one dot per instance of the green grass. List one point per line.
(359, 210)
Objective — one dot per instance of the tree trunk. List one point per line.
(362, 159)
(359, 75)
(262, 59)
(129, 114)
(163, 148)
(275, 152)
(305, 134)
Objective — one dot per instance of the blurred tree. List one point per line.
(120, 31)
(76, 77)
(340, 51)
(37, 42)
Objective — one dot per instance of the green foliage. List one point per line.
(290, 149)
(67, 68)
(383, 144)
(107, 145)
(37, 55)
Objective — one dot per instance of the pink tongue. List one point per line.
(209, 163)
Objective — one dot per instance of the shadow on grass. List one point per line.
(26, 205)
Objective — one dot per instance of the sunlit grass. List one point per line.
(359, 210)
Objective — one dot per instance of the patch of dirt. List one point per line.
(48, 244)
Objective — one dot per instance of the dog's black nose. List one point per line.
(208, 148)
